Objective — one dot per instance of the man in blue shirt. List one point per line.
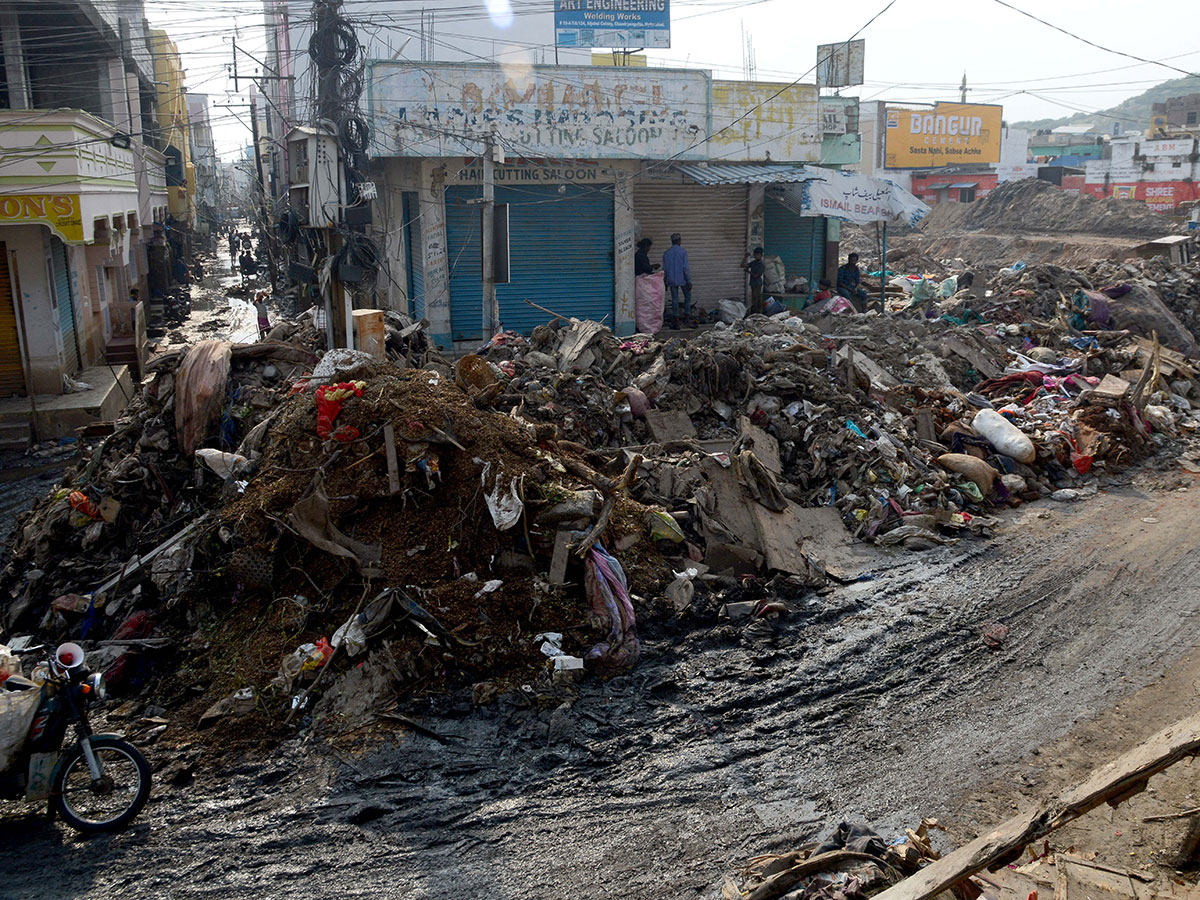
(679, 275)
(849, 283)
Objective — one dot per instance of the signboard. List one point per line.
(833, 118)
(613, 23)
(532, 171)
(59, 211)
(850, 196)
(949, 134)
(760, 120)
(840, 65)
(540, 111)
(1179, 147)
(1020, 172)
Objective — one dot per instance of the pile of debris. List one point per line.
(1035, 206)
(274, 532)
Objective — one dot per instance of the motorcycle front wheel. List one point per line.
(112, 801)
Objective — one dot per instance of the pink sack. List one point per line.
(648, 294)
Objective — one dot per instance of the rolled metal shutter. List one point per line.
(798, 240)
(66, 307)
(712, 222)
(560, 249)
(416, 255)
(12, 373)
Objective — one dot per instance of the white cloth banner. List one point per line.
(853, 197)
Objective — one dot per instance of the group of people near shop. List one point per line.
(678, 279)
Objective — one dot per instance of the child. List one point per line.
(264, 321)
(824, 293)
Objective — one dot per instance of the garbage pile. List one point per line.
(851, 863)
(277, 535)
(268, 533)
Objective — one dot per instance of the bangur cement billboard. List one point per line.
(949, 134)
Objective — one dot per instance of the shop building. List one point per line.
(587, 162)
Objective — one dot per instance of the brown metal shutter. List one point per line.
(712, 221)
(12, 374)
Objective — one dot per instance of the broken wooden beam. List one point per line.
(1110, 784)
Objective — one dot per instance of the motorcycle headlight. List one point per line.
(99, 688)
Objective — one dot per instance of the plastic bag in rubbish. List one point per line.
(17, 709)
(730, 311)
(504, 504)
(224, 464)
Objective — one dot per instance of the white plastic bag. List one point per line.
(504, 505)
(730, 311)
(774, 275)
(17, 709)
(1002, 434)
(649, 292)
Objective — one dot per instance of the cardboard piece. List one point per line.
(982, 363)
(880, 377)
(764, 445)
(670, 425)
(822, 536)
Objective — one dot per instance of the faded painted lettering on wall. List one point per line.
(553, 111)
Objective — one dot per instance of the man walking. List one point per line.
(757, 268)
(679, 275)
(849, 283)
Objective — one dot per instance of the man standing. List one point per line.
(849, 283)
(757, 268)
(679, 275)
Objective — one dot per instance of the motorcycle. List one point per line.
(178, 307)
(98, 783)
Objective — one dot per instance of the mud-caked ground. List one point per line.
(878, 701)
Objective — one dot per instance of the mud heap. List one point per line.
(1032, 205)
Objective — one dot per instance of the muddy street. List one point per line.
(880, 702)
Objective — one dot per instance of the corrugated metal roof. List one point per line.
(964, 184)
(747, 174)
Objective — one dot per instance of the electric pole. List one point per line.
(962, 89)
(264, 204)
(491, 309)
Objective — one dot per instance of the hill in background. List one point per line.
(1133, 114)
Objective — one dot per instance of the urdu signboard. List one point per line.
(617, 24)
(949, 134)
(540, 111)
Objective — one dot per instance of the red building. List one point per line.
(946, 186)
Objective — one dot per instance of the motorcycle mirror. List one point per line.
(69, 656)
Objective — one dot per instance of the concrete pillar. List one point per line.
(432, 204)
(134, 98)
(624, 238)
(112, 100)
(19, 96)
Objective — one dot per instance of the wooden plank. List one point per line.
(1109, 784)
(880, 377)
(393, 464)
(925, 428)
(562, 552)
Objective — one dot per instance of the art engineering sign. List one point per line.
(612, 23)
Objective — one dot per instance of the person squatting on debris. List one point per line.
(757, 268)
(679, 275)
(849, 283)
(264, 319)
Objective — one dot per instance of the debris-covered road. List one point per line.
(880, 701)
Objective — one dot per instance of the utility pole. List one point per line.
(338, 305)
(265, 207)
(962, 89)
(491, 309)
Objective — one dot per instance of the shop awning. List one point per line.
(849, 196)
(964, 184)
(936, 187)
(751, 174)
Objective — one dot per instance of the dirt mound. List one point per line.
(1021, 207)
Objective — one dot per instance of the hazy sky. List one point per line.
(914, 51)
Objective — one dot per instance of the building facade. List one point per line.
(588, 161)
(1161, 173)
(83, 188)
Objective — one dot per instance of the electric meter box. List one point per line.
(316, 190)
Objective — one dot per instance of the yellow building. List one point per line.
(173, 128)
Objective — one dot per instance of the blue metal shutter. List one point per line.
(66, 306)
(798, 240)
(416, 255)
(561, 256)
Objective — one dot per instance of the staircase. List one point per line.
(14, 434)
(123, 352)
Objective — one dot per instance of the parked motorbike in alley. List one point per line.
(98, 782)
